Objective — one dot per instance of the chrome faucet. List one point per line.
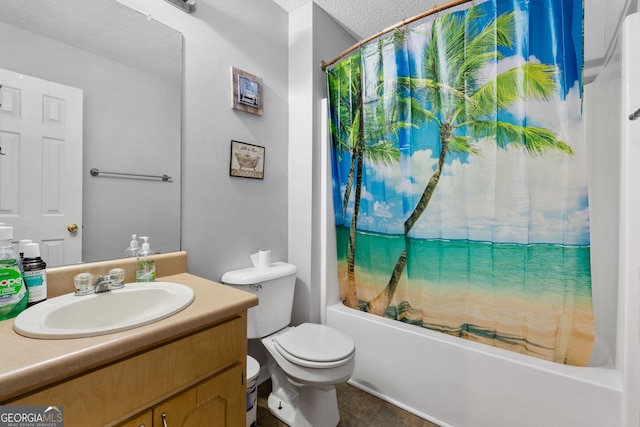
(103, 284)
(84, 287)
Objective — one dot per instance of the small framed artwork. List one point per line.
(247, 92)
(247, 160)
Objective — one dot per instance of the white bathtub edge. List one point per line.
(463, 383)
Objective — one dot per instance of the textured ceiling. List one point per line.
(107, 28)
(364, 18)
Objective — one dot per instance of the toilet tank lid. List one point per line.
(253, 275)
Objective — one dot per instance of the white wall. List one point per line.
(136, 137)
(301, 133)
(629, 295)
(313, 36)
(225, 219)
(601, 113)
(614, 141)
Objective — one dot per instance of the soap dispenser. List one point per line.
(146, 266)
(133, 248)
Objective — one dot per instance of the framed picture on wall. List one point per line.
(247, 160)
(246, 92)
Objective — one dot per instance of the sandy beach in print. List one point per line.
(511, 310)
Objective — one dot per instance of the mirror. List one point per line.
(129, 69)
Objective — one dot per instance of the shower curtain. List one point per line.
(460, 181)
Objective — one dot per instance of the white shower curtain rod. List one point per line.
(404, 22)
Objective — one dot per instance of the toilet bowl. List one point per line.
(305, 362)
(309, 362)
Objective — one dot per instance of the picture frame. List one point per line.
(247, 160)
(247, 92)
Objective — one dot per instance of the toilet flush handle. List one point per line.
(256, 287)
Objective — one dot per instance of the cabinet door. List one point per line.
(219, 401)
(143, 420)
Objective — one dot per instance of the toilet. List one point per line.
(305, 362)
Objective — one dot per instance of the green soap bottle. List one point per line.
(13, 288)
(146, 265)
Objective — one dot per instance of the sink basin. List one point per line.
(71, 316)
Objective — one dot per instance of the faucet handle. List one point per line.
(83, 283)
(118, 278)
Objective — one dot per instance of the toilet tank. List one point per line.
(274, 285)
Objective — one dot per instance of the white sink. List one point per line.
(71, 316)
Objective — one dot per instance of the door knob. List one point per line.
(72, 228)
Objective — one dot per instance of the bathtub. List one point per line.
(456, 382)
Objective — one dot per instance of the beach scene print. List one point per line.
(460, 180)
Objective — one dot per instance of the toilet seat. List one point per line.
(315, 346)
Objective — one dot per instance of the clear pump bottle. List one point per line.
(146, 265)
(133, 248)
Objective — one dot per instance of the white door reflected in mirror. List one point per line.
(41, 137)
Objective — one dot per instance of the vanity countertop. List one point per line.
(27, 364)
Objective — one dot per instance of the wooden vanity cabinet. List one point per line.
(212, 403)
(196, 380)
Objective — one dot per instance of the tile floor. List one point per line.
(357, 409)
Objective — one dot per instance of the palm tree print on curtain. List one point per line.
(460, 177)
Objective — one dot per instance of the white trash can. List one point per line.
(253, 369)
